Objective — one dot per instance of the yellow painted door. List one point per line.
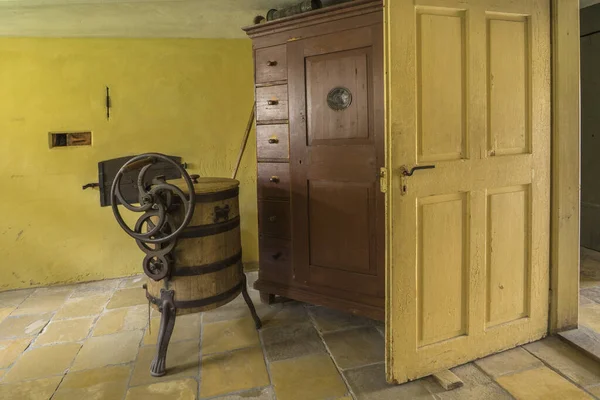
(468, 92)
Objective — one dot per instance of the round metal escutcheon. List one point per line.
(339, 98)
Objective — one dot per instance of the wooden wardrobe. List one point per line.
(320, 147)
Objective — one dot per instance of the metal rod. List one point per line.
(244, 141)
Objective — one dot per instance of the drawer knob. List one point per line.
(274, 179)
(273, 102)
(273, 141)
(272, 218)
(277, 255)
(271, 63)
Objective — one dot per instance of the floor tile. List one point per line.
(127, 298)
(283, 314)
(187, 327)
(584, 301)
(43, 362)
(232, 372)
(289, 341)
(229, 335)
(172, 390)
(107, 383)
(541, 384)
(313, 377)
(233, 310)
(104, 287)
(254, 394)
(508, 362)
(72, 330)
(25, 325)
(42, 302)
(477, 386)
(569, 361)
(5, 312)
(587, 282)
(589, 315)
(183, 360)
(100, 351)
(82, 306)
(590, 266)
(40, 389)
(132, 282)
(327, 319)
(380, 325)
(11, 349)
(13, 298)
(121, 319)
(52, 290)
(595, 390)
(592, 293)
(368, 383)
(356, 347)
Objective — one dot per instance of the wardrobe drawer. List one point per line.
(275, 258)
(272, 142)
(270, 64)
(274, 218)
(271, 103)
(273, 180)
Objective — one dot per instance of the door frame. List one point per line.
(565, 174)
(565, 170)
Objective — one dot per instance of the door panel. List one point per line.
(349, 69)
(441, 114)
(336, 91)
(346, 209)
(468, 245)
(507, 254)
(441, 286)
(508, 84)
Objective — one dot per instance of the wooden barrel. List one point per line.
(207, 269)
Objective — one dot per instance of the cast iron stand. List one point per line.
(168, 309)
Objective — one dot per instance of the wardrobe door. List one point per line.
(336, 149)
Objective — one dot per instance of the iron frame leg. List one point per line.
(167, 324)
(248, 300)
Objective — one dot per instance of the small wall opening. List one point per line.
(68, 139)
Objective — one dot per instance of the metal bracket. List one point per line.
(221, 213)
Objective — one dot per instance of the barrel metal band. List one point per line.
(200, 302)
(218, 196)
(209, 229)
(207, 268)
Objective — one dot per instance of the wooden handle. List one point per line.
(140, 163)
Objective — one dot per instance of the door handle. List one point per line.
(409, 172)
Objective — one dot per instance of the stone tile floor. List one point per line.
(94, 341)
(589, 299)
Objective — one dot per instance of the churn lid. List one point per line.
(207, 185)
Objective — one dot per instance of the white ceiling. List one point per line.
(131, 18)
(136, 18)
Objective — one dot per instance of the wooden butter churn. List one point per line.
(190, 232)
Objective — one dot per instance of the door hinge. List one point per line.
(383, 179)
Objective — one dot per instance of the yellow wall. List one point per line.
(186, 97)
